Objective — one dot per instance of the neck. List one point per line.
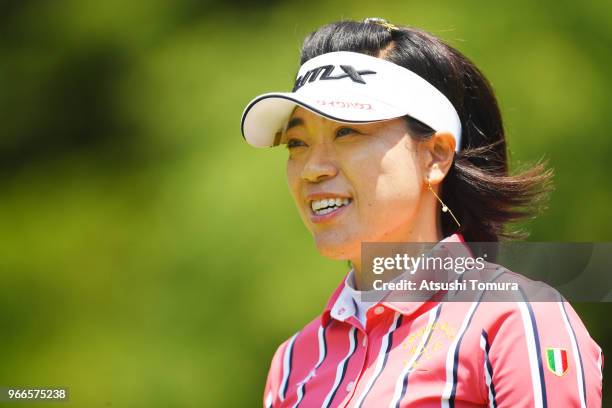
(426, 228)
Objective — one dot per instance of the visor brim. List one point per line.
(265, 117)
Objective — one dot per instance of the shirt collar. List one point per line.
(341, 305)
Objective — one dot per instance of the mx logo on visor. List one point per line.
(326, 71)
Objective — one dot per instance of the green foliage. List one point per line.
(149, 256)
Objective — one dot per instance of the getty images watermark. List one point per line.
(508, 271)
(411, 264)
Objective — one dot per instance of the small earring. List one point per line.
(444, 206)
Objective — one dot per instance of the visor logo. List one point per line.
(345, 104)
(326, 71)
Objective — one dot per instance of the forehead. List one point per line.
(302, 117)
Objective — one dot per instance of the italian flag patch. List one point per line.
(557, 360)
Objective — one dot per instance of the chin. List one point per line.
(337, 248)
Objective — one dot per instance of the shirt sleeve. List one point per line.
(540, 355)
(275, 374)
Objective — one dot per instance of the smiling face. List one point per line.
(356, 183)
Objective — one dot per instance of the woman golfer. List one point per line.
(394, 136)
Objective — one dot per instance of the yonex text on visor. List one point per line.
(350, 87)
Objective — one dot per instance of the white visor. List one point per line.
(354, 88)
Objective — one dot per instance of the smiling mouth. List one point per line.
(328, 205)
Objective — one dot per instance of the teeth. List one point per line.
(325, 210)
(328, 205)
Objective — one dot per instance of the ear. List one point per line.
(438, 154)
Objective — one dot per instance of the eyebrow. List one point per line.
(294, 122)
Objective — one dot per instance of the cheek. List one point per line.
(294, 181)
(398, 179)
(293, 172)
(389, 187)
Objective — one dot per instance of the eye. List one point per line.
(343, 131)
(291, 143)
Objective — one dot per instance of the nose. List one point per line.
(320, 164)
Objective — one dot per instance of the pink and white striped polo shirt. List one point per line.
(436, 354)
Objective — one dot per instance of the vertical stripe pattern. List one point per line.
(534, 352)
(383, 355)
(452, 360)
(322, 353)
(576, 354)
(452, 357)
(401, 385)
(341, 370)
(488, 369)
(287, 359)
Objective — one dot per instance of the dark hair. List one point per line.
(478, 187)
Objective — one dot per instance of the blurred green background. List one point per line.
(150, 257)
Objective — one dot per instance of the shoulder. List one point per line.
(529, 308)
(289, 358)
(302, 340)
(538, 334)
